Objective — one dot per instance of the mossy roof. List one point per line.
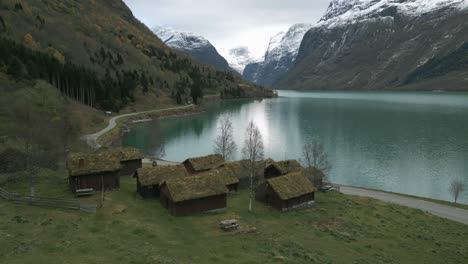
(228, 175)
(158, 174)
(91, 164)
(286, 166)
(291, 185)
(195, 187)
(123, 153)
(206, 163)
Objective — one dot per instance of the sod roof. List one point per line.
(286, 166)
(227, 175)
(123, 153)
(91, 164)
(158, 174)
(195, 187)
(291, 185)
(206, 163)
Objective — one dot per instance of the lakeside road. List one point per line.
(449, 212)
(91, 139)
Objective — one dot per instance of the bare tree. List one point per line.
(314, 156)
(253, 155)
(158, 154)
(224, 143)
(456, 188)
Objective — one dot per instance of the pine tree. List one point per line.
(16, 69)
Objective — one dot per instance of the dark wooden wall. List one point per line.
(148, 192)
(192, 206)
(111, 181)
(271, 172)
(274, 200)
(130, 167)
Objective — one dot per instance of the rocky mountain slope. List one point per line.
(194, 45)
(386, 44)
(97, 52)
(280, 56)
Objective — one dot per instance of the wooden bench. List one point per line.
(229, 225)
(84, 192)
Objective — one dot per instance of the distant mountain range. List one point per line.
(386, 44)
(194, 45)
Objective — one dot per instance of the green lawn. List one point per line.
(341, 229)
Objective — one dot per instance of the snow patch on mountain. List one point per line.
(343, 12)
(286, 43)
(239, 57)
(280, 56)
(180, 40)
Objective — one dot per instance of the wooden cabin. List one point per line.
(227, 176)
(150, 179)
(130, 158)
(277, 168)
(194, 194)
(288, 192)
(93, 171)
(202, 164)
(315, 175)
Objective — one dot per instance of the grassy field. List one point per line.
(128, 229)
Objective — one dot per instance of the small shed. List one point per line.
(287, 192)
(93, 171)
(277, 168)
(202, 164)
(195, 194)
(130, 158)
(150, 179)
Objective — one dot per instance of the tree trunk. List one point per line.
(251, 191)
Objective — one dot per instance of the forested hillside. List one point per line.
(98, 53)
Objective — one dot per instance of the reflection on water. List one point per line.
(413, 143)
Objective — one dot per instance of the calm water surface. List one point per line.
(413, 143)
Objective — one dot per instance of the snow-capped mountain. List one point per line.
(280, 56)
(344, 12)
(194, 45)
(384, 44)
(239, 57)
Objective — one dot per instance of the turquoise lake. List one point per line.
(407, 142)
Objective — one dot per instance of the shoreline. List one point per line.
(446, 211)
(96, 141)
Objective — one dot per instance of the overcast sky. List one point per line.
(230, 23)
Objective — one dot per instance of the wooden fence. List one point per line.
(47, 202)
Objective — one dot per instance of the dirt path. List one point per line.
(91, 139)
(445, 211)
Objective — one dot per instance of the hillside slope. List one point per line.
(386, 44)
(194, 45)
(119, 51)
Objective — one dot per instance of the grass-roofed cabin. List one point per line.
(315, 175)
(194, 194)
(290, 191)
(277, 168)
(93, 171)
(130, 158)
(227, 174)
(150, 179)
(202, 164)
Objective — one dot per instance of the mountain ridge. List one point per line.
(193, 45)
(279, 57)
(382, 46)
